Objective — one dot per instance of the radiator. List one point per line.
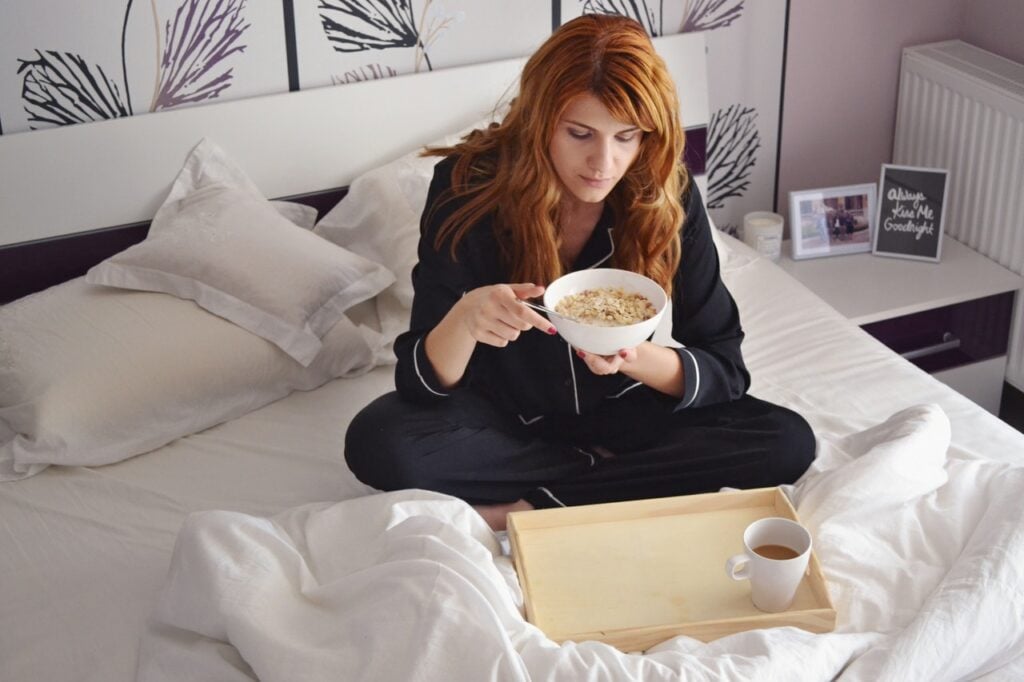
(962, 108)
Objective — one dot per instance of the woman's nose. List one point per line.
(601, 157)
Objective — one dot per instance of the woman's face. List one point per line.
(591, 150)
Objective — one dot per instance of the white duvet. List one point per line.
(924, 556)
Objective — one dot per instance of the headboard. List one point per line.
(74, 195)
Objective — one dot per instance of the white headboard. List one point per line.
(94, 175)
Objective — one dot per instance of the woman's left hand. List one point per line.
(607, 364)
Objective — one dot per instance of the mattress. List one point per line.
(84, 551)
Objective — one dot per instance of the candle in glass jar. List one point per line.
(762, 231)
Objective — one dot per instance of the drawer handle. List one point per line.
(949, 342)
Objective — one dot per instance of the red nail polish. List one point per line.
(552, 331)
(622, 354)
(581, 354)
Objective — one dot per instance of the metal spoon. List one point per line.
(549, 311)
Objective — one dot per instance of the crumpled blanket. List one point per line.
(924, 557)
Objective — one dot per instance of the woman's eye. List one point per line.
(626, 138)
(579, 134)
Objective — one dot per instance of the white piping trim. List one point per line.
(416, 365)
(572, 369)
(696, 370)
(592, 460)
(548, 493)
(627, 388)
(610, 241)
(527, 422)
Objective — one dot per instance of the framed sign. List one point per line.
(832, 222)
(911, 203)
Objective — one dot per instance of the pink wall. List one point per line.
(997, 26)
(842, 76)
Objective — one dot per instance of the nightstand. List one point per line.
(951, 318)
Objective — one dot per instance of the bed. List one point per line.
(177, 506)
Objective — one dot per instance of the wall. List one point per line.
(997, 26)
(63, 63)
(840, 84)
(842, 76)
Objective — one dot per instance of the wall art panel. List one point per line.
(340, 41)
(69, 62)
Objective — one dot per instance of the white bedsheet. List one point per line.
(84, 551)
(923, 555)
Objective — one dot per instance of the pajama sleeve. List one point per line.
(705, 319)
(438, 283)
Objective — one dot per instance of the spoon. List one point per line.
(549, 311)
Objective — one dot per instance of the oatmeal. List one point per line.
(607, 307)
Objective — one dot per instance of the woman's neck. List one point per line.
(577, 222)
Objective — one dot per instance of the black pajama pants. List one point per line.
(464, 447)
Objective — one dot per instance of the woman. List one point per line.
(492, 406)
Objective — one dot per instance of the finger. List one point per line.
(504, 330)
(491, 339)
(533, 319)
(520, 317)
(523, 317)
(488, 327)
(528, 315)
(599, 364)
(527, 290)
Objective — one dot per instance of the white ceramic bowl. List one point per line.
(594, 338)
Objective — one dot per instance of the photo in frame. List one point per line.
(911, 206)
(834, 221)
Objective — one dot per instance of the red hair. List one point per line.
(506, 170)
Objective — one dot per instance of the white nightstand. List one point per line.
(950, 318)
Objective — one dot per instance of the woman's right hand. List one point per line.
(494, 314)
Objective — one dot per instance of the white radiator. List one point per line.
(962, 108)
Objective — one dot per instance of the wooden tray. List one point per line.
(634, 574)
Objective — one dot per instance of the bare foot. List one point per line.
(494, 514)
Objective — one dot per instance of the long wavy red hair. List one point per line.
(506, 169)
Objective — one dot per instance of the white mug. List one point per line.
(776, 552)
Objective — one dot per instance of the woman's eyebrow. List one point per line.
(584, 125)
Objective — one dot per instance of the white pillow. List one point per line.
(91, 375)
(300, 214)
(379, 218)
(228, 250)
(207, 164)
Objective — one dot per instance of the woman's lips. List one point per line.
(595, 182)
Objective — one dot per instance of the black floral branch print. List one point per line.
(368, 25)
(359, 25)
(634, 9)
(733, 142)
(60, 88)
(706, 15)
(202, 35)
(368, 72)
(698, 15)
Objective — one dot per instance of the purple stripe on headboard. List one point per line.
(695, 152)
(28, 267)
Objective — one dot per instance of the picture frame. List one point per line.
(832, 221)
(911, 210)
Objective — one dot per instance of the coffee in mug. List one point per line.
(776, 552)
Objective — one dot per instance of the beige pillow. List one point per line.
(92, 375)
(235, 256)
